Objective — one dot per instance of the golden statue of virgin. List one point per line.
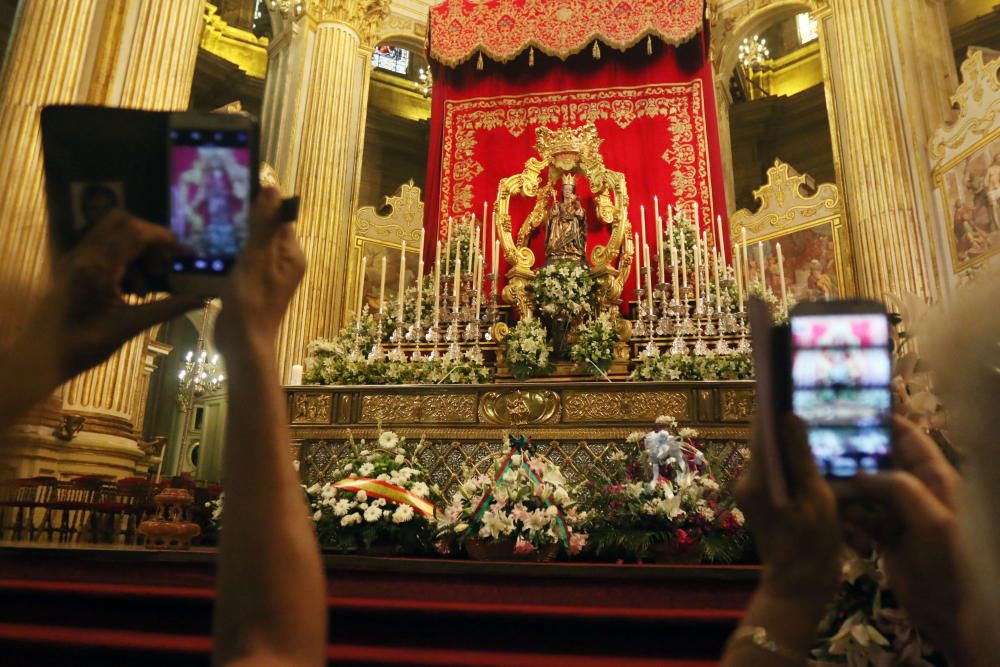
(566, 228)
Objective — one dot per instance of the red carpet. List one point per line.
(113, 607)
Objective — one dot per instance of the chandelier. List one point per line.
(200, 374)
(425, 81)
(293, 8)
(753, 52)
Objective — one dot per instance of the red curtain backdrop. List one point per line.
(655, 113)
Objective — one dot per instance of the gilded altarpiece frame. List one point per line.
(966, 158)
(376, 234)
(808, 221)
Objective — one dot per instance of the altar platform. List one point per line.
(576, 424)
(116, 606)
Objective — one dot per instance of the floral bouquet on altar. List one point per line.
(519, 509)
(382, 502)
(526, 349)
(596, 345)
(689, 367)
(660, 501)
(563, 288)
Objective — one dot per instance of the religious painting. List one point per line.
(813, 267)
(970, 192)
(375, 251)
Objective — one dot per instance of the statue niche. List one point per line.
(566, 227)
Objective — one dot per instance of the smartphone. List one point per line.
(212, 178)
(841, 370)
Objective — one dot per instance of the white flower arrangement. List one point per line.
(596, 345)
(673, 368)
(526, 349)
(563, 288)
(522, 498)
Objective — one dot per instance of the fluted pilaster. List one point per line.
(315, 107)
(884, 91)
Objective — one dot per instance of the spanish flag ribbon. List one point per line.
(394, 494)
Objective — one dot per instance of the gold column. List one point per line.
(883, 96)
(314, 116)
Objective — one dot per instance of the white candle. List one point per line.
(659, 250)
(473, 248)
(656, 207)
(295, 377)
(642, 226)
(739, 280)
(746, 262)
(496, 264)
(697, 270)
(649, 281)
(720, 244)
(447, 250)
(707, 269)
(696, 221)
(458, 283)
(361, 287)
(400, 295)
(479, 284)
(638, 262)
(673, 263)
(760, 263)
(420, 257)
(420, 291)
(718, 290)
(781, 275)
(437, 286)
(381, 289)
(684, 261)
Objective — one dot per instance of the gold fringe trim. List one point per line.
(597, 50)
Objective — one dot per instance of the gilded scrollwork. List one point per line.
(519, 407)
(418, 409)
(311, 408)
(592, 406)
(737, 405)
(787, 199)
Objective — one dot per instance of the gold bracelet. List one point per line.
(757, 636)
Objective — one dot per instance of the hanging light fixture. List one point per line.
(753, 52)
(425, 81)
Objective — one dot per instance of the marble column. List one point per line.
(314, 116)
(889, 64)
(116, 52)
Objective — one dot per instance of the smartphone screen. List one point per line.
(841, 370)
(209, 194)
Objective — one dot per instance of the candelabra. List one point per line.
(200, 375)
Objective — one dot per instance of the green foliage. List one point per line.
(596, 345)
(668, 367)
(526, 349)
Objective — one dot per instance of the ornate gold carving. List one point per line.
(403, 222)
(240, 47)
(519, 407)
(788, 199)
(737, 405)
(419, 409)
(592, 406)
(311, 408)
(364, 16)
(978, 102)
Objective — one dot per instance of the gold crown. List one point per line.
(569, 179)
(566, 140)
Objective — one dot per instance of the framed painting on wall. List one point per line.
(812, 258)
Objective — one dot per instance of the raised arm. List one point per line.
(271, 607)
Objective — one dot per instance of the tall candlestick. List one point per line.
(659, 250)
(684, 262)
(361, 286)
(473, 251)
(420, 291)
(495, 265)
(673, 263)
(649, 280)
(760, 263)
(746, 262)
(638, 262)
(447, 250)
(718, 291)
(656, 207)
(420, 256)
(720, 244)
(707, 268)
(781, 275)
(697, 271)
(479, 284)
(437, 287)
(739, 280)
(642, 226)
(381, 289)
(458, 284)
(696, 220)
(402, 281)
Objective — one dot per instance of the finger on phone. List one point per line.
(141, 317)
(797, 458)
(265, 218)
(915, 452)
(904, 496)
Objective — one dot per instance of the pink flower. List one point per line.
(442, 547)
(684, 539)
(524, 547)
(520, 513)
(577, 541)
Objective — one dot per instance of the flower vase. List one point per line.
(559, 327)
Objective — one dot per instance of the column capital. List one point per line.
(364, 16)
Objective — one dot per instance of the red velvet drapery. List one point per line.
(655, 113)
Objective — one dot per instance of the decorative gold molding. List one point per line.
(431, 409)
(519, 407)
(240, 47)
(589, 406)
(364, 16)
(785, 202)
(311, 408)
(978, 102)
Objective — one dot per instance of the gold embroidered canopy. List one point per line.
(503, 29)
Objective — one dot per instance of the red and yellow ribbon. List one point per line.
(394, 494)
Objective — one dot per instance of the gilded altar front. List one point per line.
(576, 424)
